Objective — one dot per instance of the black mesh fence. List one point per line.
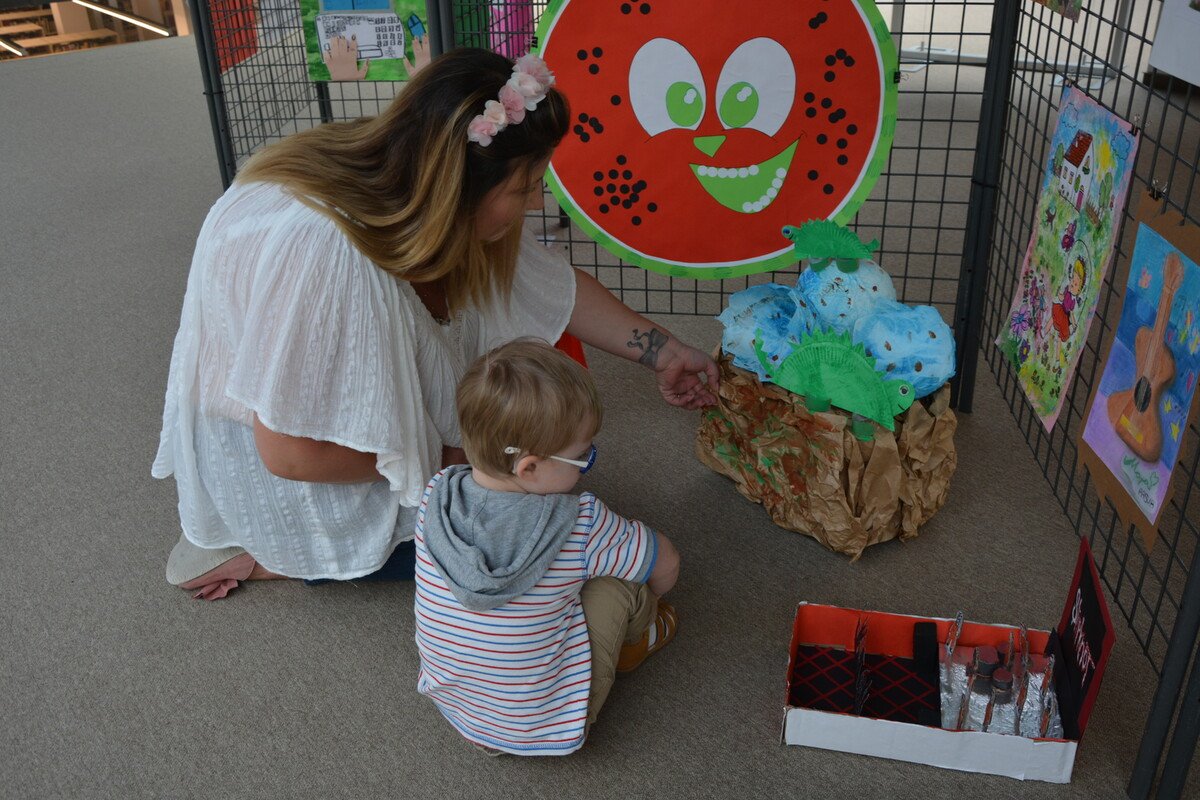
(1106, 54)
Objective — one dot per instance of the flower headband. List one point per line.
(527, 87)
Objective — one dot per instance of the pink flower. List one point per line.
(494, 113)
(528, 87)
(514, 104)
(530, 64)
(481, 130)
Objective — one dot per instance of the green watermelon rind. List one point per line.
(783, 259)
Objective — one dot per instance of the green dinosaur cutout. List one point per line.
(828, 368)
(823, 242)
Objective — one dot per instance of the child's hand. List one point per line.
(666, 567)
(421, 56)
(342, 59)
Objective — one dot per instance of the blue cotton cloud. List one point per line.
(912, 343)
(768, 307)
(839, 299)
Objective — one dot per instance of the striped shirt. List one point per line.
(517, 677)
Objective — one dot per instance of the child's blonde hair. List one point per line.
(527, 395)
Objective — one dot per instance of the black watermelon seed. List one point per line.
(840, 53)
(636, 220)
(595, 69)
(612, 187)
(578, 129)
(583, 117)
(624, 188)
(848, 61)
(597, 52)
(842, 160)
(599, 190)
(635, 197)
(621, 159)
(582, 55)
(851, 129)
(652, 207)
(841, 143)
(585, 137)
(612, 173)
(639, 186)
(809, 97)
(616, 99)
(829, 76)
(813, 174)
(598, 176)
(827, 188)
(596, 126)
(603, 209)
(822, 138)
(614, 200)
(826, 102)
(626, 8)
(830, 61)
(627, 174)
(626, 205)
(810, 112)
(644, 8)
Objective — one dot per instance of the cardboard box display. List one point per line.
(823, 639)
(814, 477)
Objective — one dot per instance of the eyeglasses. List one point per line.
(584, 466)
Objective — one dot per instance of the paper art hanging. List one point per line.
(700, 130)
(1175, 45)
(1079, 207)
(365, 40)
(1068, 8)
(1139, 412)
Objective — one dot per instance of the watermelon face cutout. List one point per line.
(701, 129)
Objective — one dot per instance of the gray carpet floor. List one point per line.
(114, 684)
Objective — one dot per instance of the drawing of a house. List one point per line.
(1075, 172)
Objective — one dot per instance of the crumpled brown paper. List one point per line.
(813, 476)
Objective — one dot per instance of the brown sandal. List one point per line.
(665, 624)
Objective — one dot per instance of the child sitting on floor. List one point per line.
(530, 598)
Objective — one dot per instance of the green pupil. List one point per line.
(739, 105)
(685, 104)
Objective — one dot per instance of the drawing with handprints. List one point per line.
(1079, 206)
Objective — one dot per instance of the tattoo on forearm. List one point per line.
(650, 342)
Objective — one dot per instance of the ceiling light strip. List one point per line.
(132, 19)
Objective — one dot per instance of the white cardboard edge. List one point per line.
(1050, 760)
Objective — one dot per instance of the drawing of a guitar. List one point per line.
(1134, 412)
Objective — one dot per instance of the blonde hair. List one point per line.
(405, 187)
(527, 395)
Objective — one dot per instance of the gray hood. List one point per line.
(492, 547)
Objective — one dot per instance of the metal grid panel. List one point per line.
(1105, 53)
(917, 210)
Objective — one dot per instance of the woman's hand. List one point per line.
(603, 321)
(678, 372)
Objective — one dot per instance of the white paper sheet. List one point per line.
(1175, 46)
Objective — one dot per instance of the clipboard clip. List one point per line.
(1137, 125)
(1157, 191)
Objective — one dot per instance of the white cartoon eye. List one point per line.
(666, 87)
(756, 87)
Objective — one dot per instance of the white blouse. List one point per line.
(283, 317)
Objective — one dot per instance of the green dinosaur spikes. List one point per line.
(823, 242)
(827, 367)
